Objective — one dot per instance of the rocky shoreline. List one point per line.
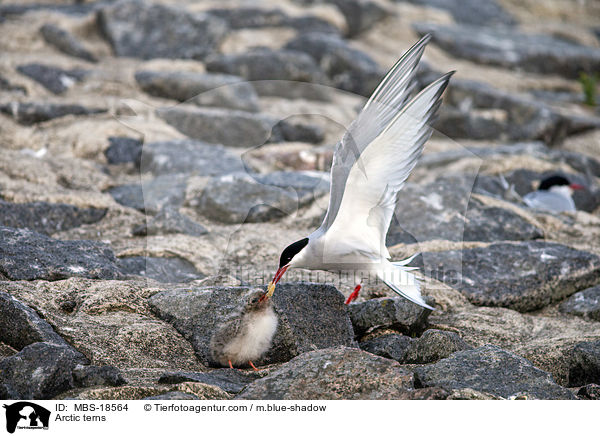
(157, 156)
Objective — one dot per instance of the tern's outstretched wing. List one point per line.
(382, 107)
(368, 199)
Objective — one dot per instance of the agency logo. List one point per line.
(26, 415)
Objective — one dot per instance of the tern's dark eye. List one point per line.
(291, 250)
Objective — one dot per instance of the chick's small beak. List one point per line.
(280, 272)
(576, 186)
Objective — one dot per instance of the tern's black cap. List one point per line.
(551, 181)
(291, 250)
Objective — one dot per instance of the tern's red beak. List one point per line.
(280, 272)
(576, 186)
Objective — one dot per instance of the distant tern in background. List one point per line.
(553, 195)
(370, 166)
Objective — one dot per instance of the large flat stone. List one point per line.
(584, 303)
(47, 218)
(348, 68)
(203, 89)
(444, 209)
(54, 79)
(523, 276)
(585, 364)
(492, 370)
(267, 64)
(35, 112)
(508, 48)
(66, 42)
(27, 255)
(20, 325)
(238, 198)
(189, 157)
(220, 126)
(145, 30)
(333, 374)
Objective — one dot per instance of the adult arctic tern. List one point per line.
(370, 166)
(553, 195)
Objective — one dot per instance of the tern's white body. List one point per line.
(556, 199)
(370, 166)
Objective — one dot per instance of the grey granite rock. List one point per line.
(292, 90)
(443, 209)
(312, 23)
(47, 218)
(169, 221)
(6, 85)
(124, 150)
(230, 380)
(221, 126)
(162, 269)
(300, 132)
(203, 89)
(39, 371)
(584, 303)
(311, 316)
(585, 364)
(267, 64)
(136, 28)
(457, 124)
(56, 80)
(21, 326)
(189, 156)
(308, 185)
(78, 9)
(66, 42)
(492, 370)
(523, 276)
(360, 15)
(589, 392)
(90, 375)
(172, 396)
(27, 255)
(31, 113)
(397, 313)
(251, 17)
(390, 346)
(348, 68)
(333, 374)
(238, 198)
(487, 12)
(513, 117)
(152, 195)
(511, 49)
(434, 345)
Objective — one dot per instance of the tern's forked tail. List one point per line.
(397, 276)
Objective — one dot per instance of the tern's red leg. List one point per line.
(252, 365)
(230, 365)
(354, 295)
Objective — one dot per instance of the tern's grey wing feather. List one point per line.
(549, 201)
(380, 110)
